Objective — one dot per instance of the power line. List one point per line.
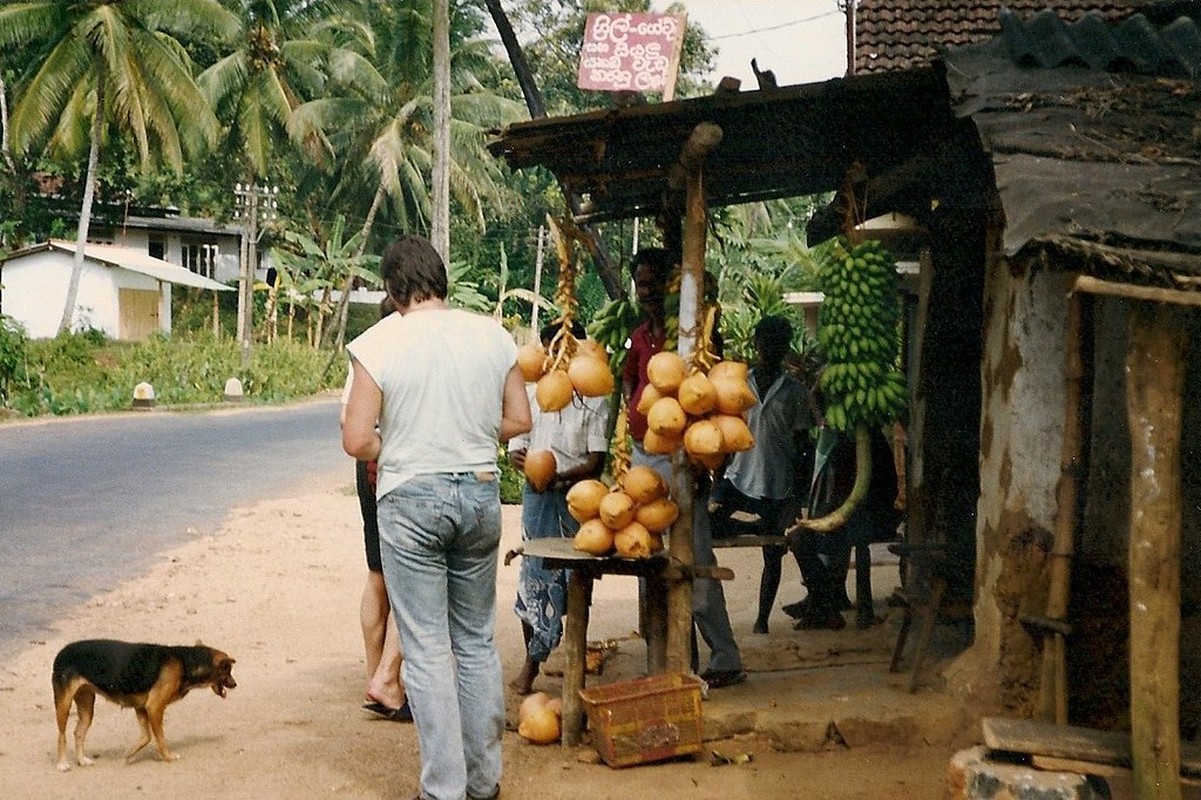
(777, 27)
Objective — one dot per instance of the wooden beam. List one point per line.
(1155, 368)
(1086, 283)
(705, 137)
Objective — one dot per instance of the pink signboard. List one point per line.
(631, 53)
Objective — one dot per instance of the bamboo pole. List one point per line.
(1155, 294)
(1052, 701)
(1154, 394)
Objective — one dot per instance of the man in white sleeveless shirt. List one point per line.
(444, 387)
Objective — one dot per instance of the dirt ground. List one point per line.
(278, 588)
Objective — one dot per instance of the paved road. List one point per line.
(86, 503)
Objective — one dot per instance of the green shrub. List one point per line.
(14, 351)
(75, 373)
(511, 481)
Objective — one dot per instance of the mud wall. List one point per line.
(1021, 435)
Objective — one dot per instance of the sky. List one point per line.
(801, 41)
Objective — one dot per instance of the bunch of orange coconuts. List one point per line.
(539, 718)
(628, 518)
(701, 412)
(573, 366)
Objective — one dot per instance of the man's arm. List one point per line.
(515, 415)
(361, 414)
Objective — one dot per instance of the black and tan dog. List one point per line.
(144, 677)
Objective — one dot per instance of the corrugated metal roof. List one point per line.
(1081, 145)
(1135, 44)
(130, 259)
(898, 34)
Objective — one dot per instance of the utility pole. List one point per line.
(252, 204)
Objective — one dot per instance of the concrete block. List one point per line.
(973, 775)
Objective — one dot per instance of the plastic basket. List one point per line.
(644, 720)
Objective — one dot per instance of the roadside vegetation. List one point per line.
(84, 372)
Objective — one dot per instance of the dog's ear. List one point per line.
(199, 643)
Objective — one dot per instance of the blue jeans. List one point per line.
(439, 537)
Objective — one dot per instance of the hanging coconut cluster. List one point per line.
(700, 407)
(539, 718)
(567, 365)
(628, 518)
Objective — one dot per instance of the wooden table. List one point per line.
(584, 569)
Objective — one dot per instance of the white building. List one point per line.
(123, 291)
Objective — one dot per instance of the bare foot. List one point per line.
(392, 697)
(523, 684)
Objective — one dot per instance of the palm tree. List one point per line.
(280, 62)
(384, 130)
(101, 62)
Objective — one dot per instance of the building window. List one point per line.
(200, 258)
(157, 249)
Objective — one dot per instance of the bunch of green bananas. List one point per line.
(612, 326)
(858, 331)
(671, 316)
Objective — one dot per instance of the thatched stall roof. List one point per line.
(781, 142)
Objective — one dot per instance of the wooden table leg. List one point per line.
(575, 647)
(656, 623)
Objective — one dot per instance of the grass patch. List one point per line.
(82, 373)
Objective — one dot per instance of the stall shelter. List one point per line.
(1054, 169)
(122, 291)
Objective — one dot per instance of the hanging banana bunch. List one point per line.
(612, 326)
(861, 383)
(858, 331)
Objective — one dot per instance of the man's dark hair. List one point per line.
(774, 336)
(658, 259)
(413, 271)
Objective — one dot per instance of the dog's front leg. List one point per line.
(156, 726)
(144, 723)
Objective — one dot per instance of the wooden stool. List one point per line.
(924, 598)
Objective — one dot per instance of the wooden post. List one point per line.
(1052, 688)
(1154, 392)
(575, 649)
(704, 138)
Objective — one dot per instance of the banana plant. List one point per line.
(517, 292)
(336, 261)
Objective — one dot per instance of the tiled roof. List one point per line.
(896, 34)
